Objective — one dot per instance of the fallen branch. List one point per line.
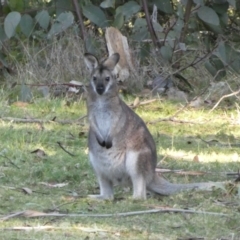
(24, 120)
(43, 228)
(61, 146)
(33, 214)
(172, 119)
(223, 97)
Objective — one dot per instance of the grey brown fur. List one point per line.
(121, 148)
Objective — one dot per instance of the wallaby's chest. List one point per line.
(102, 116)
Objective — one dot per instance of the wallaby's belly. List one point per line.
(111, 164)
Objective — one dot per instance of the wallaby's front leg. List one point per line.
(106, 189)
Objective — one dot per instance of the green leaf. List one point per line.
(63, 21)
(164, 5)
(118, 21)
(92, 45)
(3, 36)
(157, 27)
(221, 53)
(95, 15)
(220, 8)
(63, 6)
(11, 22)
(108, 4)
(128, 9)
(208, 15)
(232, 3)
(26, 25)
(200, 2)
(139, 23)
(215, 67)
(16, 5)
(3, 60)
(141, 34)
(43, 19)
(166, 52)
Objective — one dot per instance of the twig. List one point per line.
(32, 214)
(39, 228)
(150, 25)
(171, 119)
(12, 216)
(15, 165)
(60, 145)
(80, 20)
(225, 96)
(24, 120)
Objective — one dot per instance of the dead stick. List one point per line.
(32, 214)
(225, 96)
(60, 145)
(23, 120)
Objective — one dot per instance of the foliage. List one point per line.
(208, 29)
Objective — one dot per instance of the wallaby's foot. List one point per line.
(101, 197)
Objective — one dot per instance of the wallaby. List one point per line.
(121, 148)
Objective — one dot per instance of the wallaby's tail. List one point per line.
(163, 187)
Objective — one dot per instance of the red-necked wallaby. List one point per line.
(121, 148)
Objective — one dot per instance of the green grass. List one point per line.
(177, 145)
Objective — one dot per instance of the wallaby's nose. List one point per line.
(100, 89)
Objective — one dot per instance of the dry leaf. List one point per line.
(196, 158)
(39, 153)
(136, 102)
(27, 191)
(20, 104)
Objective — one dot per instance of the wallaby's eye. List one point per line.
(107, 79)
(94, 78)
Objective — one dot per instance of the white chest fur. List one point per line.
(101, 115)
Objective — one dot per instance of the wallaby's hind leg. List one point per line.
(106, 189)
(138, 180)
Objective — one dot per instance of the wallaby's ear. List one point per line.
(112, 61)
(90, 61)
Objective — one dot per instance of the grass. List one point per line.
(177, 144)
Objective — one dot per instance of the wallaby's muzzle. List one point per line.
(100, 89)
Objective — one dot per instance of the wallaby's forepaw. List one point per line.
(107, 143)
(100, 197)
(101, 142)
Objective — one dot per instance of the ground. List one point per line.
(44, 168)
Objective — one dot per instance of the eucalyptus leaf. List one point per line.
(11, 22)
(63, 21)
(139, 23)
(166, 52)
(16, 5)
(26, 25)
(95, 15)
(118, 21)
(232, 3)
(208, 15)
(141, 35)
(164, 5)
(108, 4)
(3, 36)
(128, 9)
(43, 19)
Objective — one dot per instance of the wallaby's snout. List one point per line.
(100, 88)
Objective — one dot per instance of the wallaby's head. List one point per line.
(102, 79)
